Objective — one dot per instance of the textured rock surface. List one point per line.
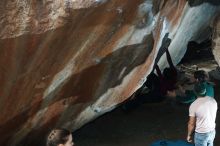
(66, 62)
(216, 39)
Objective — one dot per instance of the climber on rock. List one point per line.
(168, 78)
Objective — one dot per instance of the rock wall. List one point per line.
(216, 39)
(65, 62)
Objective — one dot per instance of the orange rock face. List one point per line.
(65, 62)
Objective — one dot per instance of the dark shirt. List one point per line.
(165, 83)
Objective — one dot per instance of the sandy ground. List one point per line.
(140, 127)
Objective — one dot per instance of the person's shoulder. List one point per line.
(214, 103)
(211, 99)
(200, 101)
(194, 103)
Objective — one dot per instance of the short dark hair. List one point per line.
(58, 136)
(200, 89)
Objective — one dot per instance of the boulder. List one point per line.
(65, 62)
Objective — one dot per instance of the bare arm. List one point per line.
(191, 128)
(158, 71)
(169, 59)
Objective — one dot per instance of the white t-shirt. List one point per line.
(204, 109)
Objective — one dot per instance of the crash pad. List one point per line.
(171, 143)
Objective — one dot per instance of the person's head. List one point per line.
(168, 73)
(60, 137)
(200, 89)
(200, 76)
